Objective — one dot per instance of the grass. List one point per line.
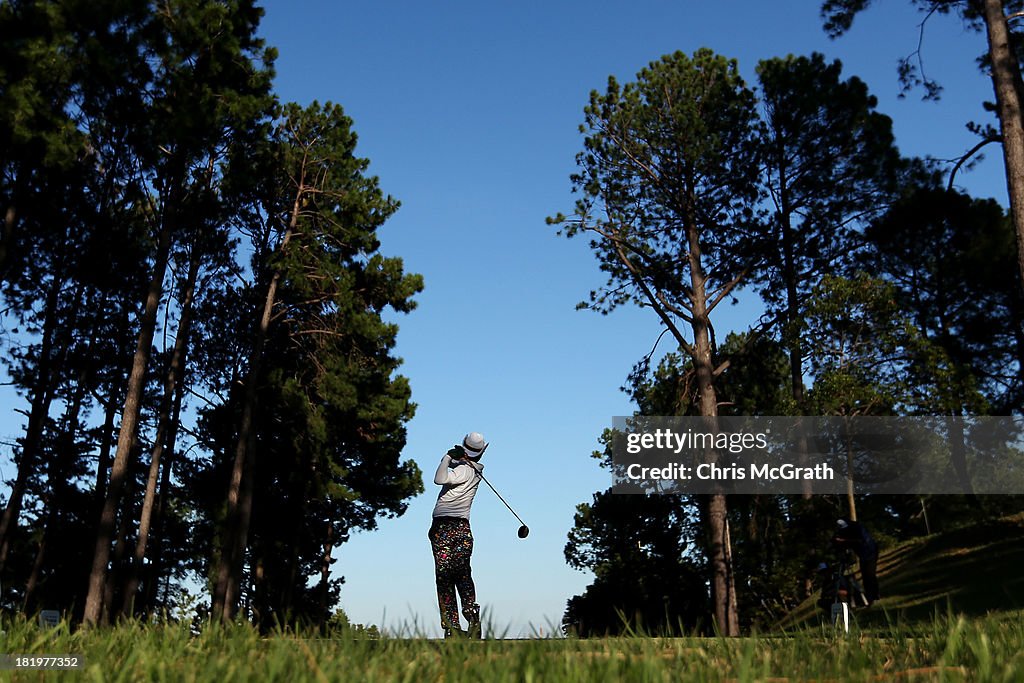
(946, 648)
(952, 611)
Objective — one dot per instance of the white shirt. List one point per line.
(459, 482)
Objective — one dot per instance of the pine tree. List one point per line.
(669, 183)
(320, 414)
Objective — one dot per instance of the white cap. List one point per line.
(474, 444)
(841, 523)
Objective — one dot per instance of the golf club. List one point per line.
(524, 530)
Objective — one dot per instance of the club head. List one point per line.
(524, 531)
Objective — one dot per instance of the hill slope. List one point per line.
(974, 571)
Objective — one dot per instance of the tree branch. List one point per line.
(621, 244)
(653, 299)
(974, 150)
(727, 288)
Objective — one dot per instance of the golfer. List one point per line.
(451, 539)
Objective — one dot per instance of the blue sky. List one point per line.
(469, 112)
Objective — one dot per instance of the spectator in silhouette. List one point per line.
(852, 535)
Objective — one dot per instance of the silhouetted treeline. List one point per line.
(885, 291)
(192, 299)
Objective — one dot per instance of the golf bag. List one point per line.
(839, 587)
(840, 593)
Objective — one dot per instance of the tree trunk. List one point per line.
(792, 296)
(129, 429)
(103, 461)
(10, 220)
(239, 509)
(1006, 80)
(116, 562)
(110, 405)
(288, 599)
(723, 587)
(156, 566)
(793, 342)
(42, 396)
(57, 477)
(958, 455)
(28, 604)
(793, 317)
(924, 514)
(325, 574)
(851, 501)
(229, 570)
(163, 434)
(1015, 304)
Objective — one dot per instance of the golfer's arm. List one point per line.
(456, 475)
(442, 475)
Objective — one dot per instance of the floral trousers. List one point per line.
(452, 543)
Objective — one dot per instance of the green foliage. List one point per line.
(872, 345)
(36, 87)
(145, 136)
(830, 165)
(646, 574)
(643, 550)
(672, 152)
(951, 261)
(754, 383)
(830, 155)
(330, 409)
(857, 343)
(838, 15)
(668, 175)
(757, 379)
(647, 551)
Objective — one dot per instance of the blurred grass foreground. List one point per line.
(950, 647)
(951, 611)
